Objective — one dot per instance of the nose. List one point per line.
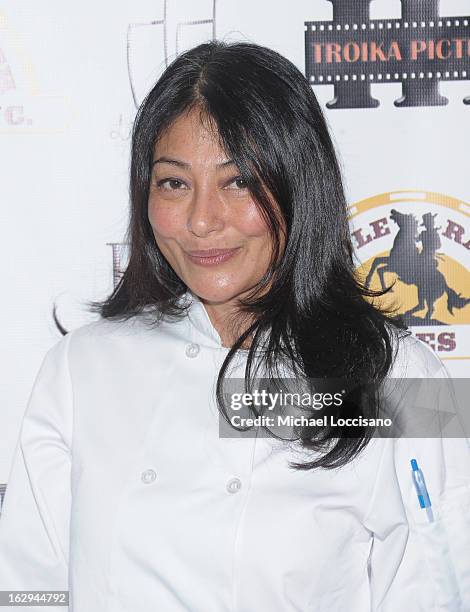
(205, 213)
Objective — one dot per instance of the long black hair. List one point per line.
(313, 308)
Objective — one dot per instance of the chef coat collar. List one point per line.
(200, 321)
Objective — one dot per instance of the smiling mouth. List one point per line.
(211, 257)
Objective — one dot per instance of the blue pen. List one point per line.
(420, 485)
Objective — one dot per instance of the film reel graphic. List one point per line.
(420, 50)
(170, 31)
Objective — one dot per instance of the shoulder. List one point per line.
(112, 339)
(413, 358)
(105, 330)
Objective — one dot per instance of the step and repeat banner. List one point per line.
(392, 77)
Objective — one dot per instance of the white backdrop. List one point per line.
(70, 76)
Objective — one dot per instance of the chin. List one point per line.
(215, 295)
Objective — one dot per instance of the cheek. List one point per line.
(250, 222)
(166, 222)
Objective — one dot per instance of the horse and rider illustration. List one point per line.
(417, 267)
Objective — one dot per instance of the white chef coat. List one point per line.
(122, 492)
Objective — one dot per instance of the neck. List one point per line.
(229, 322)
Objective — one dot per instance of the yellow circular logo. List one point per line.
(419, 242)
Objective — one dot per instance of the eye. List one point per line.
(174, 182)
(238, 180)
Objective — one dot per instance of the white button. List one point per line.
(234, 485)
(192, 350)
(148, 476)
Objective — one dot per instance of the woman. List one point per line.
(122, 490)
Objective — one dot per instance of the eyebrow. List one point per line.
(181, 164)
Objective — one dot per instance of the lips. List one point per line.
(210, 252)
(209, 257)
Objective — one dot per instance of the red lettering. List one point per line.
(417, 46)
(380, 228)
(364, 52)
(458, 47)
(394, 51)
(317, 54)
(454, 231)
(428, 338)
(446, 341)
(347, 52)
(14, 115)
(376, 51)
(439, 50)
(430, 49)
(361, 241)
(333, 50)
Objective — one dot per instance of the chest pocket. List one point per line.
(443, 546)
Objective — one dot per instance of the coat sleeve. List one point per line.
(35, 519)
(429, 569)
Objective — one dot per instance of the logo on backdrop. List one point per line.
(420, 241)
(419, 50)
(150, 46)
(120, 255)
(24, 108)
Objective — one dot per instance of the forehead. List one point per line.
(188, 134)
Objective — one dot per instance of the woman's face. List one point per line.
(203, 217)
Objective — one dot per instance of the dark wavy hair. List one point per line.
(314, 310)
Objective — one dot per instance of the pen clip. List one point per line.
(421, 489)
